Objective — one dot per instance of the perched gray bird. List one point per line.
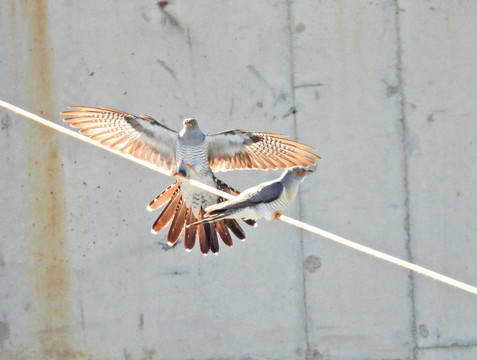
(266, 200)
(195, 154)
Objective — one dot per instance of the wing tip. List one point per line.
(77, 107)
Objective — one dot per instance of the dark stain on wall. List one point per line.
(45, 219)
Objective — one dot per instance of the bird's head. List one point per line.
(300, 171)
(295, 175)
(190, 123)
(191, 133)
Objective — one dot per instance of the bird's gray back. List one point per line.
(262, 195)
(267, 193)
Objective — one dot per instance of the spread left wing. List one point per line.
(239, 149)
(140, 136)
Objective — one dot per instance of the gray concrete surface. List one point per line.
(385, 90)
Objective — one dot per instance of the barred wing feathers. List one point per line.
(140, 136)
(240, 149)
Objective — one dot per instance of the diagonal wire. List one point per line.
(86, 139)
(351, 244)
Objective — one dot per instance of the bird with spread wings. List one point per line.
(192, 154)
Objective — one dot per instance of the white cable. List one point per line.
(380, 255)
(351, 244)
(86, 139)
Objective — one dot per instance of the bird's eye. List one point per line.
(297, 172)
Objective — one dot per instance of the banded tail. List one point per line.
(182, 220)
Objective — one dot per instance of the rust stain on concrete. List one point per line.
(44, 198)
(13, 46)
(11, 9)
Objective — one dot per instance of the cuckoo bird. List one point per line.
(266, 200)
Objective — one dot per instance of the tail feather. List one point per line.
(235, 228)
(224, 233)
(178, 223)
(190, 231)
(225, 188)
(163, 197)
(203, 241)
(168, 213)
(250, 222)
(206, 229)
(214, 242)
(228, 189)
(203, 236)
(209, 219)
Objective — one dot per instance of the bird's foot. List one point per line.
(191, 166)
(277, 215)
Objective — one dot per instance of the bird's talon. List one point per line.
(178, 175)
(277, 215)
(191, 166)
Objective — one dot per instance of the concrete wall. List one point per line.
(385, 90)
